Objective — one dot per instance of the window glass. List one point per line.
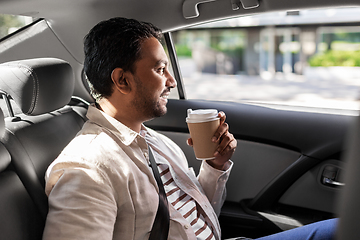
(300, 59)
(11, 23)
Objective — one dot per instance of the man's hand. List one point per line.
(227, 144)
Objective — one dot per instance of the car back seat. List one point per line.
(20, 219)
(42, 89)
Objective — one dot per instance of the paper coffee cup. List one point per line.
(202, 124)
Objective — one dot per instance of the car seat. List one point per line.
(19, 217)
(42, 89)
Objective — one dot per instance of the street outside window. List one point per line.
(303, 60)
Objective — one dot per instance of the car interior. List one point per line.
(290, 166)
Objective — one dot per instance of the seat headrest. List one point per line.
(38, 85)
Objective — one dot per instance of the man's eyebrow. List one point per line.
(158, 63)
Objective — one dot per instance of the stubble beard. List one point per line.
(146, 105)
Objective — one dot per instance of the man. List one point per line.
(101, 186)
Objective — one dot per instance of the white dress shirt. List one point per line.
(101, 186)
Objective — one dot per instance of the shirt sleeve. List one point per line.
(213, 182)
(81, 205)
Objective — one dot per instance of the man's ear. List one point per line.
(121, 81)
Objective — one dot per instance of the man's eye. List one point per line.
(161, 71)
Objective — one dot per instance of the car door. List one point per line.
(280, 165)
(288, 165)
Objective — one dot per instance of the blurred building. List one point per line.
(269, 43)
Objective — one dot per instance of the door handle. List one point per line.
(330, 176)
(333, 183)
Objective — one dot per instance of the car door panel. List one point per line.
(255, 165)
(310, 192)
(275, 181)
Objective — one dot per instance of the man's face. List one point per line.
(152, 80)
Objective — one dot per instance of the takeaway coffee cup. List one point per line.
(202, 124)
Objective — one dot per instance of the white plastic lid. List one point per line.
(201, 115)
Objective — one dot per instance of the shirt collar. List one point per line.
(125, 134)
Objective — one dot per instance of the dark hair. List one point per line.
(114, 43)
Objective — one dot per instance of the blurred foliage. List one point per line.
(231, 51)
(183, 50)
(231, 43)
(335, 58)
(9, 21)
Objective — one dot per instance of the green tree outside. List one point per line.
(336, 58)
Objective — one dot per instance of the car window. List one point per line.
(300, 59)
(11, 23)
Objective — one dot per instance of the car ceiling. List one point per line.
(71, 19)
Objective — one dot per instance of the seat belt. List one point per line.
(160, 228)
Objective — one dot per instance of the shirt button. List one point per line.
(146, 154)
(186, 226)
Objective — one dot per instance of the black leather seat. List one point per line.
(20, 219)
(42, 88)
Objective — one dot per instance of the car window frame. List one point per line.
(175, 65)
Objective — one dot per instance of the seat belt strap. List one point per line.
(160, 228)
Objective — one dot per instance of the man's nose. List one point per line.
(171, 82)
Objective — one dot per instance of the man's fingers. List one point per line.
(228, 143)
(223, 128)
(222, 117)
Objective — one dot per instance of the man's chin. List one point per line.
(159, 112)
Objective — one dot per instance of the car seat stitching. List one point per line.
(35, 88)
